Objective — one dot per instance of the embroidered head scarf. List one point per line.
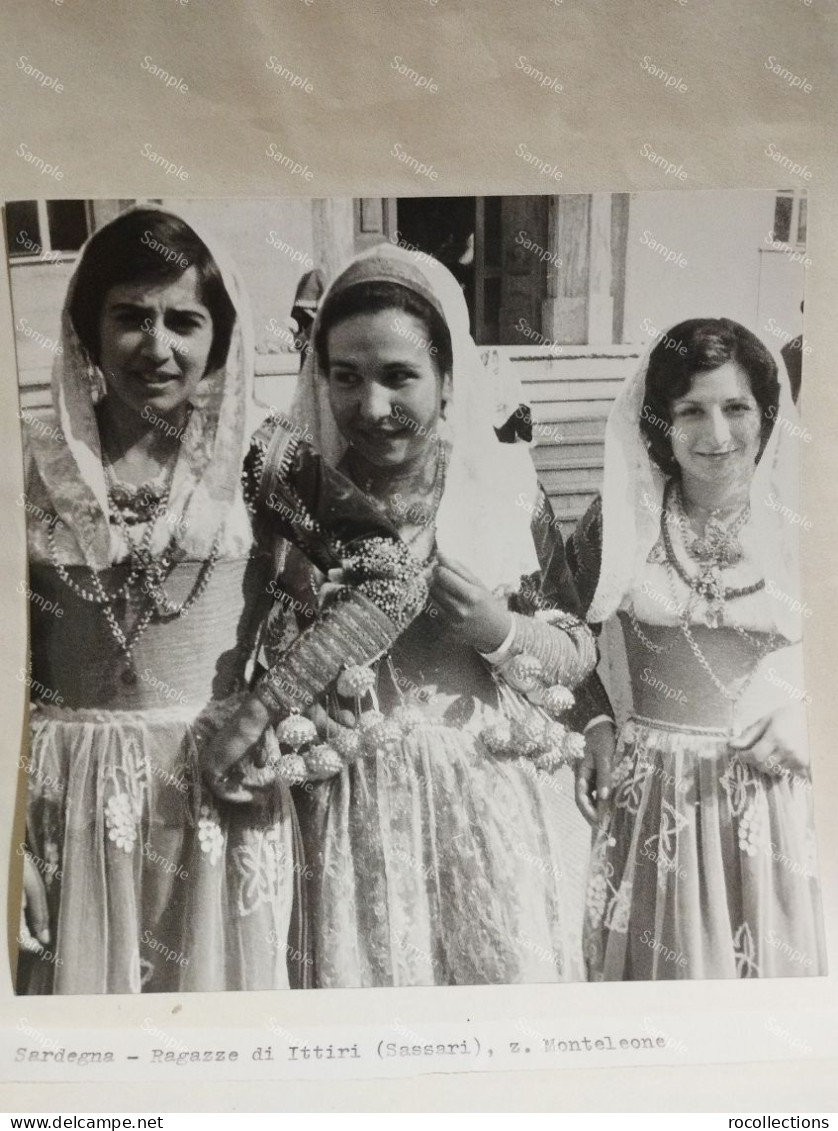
(491, 489)
(68, 478)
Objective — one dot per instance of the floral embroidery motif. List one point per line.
(619, 910)
(606, 905)
(737, 782)
(600, 869)
(210, 836)
(146, 972)
(629, 779)
(751, 828)
(744, 952)
(657, 554)
(121, 821)
(740, 785)
(260, 867)
(671, 824)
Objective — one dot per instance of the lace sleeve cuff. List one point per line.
(559, 641)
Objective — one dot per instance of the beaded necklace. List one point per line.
(396, 514)
(142, 561)
(718, 549)
(717, 552)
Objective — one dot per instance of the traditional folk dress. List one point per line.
(151, 885)
(434, 854)
(704, 867)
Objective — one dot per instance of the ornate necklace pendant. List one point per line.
(717, 545)
(128, 675)
(713, 591)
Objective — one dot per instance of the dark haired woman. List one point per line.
(433, 852)
(147, 550)
(703, 863)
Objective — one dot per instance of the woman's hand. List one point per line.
(230, 745)
(776, 743)
(34, 917)
(482, 619)
(593, 773)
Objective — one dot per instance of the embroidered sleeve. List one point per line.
(382, 590)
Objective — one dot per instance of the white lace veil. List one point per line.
(632, 480)
(491, 488)
(206, 479)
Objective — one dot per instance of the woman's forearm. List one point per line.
(563, 645)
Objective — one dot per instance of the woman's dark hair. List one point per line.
(698, 346)
(148, 246)
(374, 296)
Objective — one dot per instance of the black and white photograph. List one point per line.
(414, 591)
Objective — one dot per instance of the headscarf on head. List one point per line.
(68, 477)
(630, 526)
(491, 489)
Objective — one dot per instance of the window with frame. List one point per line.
(47, 229)
(790, 208)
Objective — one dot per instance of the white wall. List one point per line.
(270, 274)
(729, 272)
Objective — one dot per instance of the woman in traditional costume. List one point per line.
(703, 862)
(139, 533)
(433, 836)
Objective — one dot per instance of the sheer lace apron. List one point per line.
(438, 865)
(704, 867)
(151, 887)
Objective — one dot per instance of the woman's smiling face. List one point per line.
(155, 340)
(717, 427)
(385, 390)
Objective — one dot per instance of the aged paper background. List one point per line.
(720, 127)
